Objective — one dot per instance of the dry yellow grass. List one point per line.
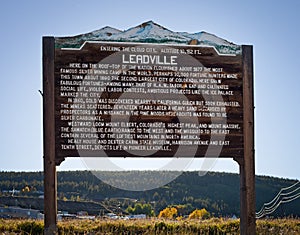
(150, 226)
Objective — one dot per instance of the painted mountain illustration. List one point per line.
(150, 32)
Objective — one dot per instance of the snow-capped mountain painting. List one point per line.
(150, 32)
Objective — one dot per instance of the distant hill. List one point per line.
(217, 192)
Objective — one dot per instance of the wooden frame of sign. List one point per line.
(79, 109)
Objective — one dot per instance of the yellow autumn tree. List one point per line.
(26, 189)
(168, 213)
(199, 214)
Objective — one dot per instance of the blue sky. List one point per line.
(272, 27)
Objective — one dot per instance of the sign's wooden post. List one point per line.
(50, 183)
(247, 164)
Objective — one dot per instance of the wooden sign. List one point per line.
(147, 100)
(143, 98)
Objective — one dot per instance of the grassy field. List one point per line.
(151, 226)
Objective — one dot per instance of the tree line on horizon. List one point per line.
(217, 193)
